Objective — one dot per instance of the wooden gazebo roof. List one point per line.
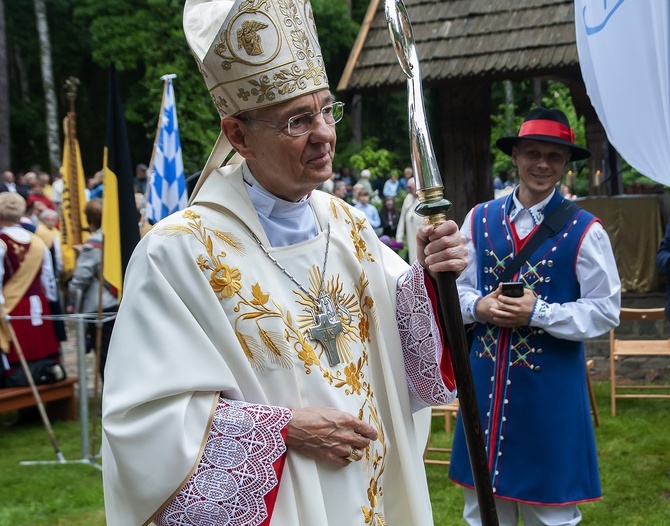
(467, 39)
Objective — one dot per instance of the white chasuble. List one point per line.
(207, 313)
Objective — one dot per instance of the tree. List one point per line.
(50, 99)
(5, 136)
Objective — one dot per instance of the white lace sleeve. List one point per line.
(236, 471)
(427, 362)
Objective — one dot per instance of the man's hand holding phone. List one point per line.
(510, 305)
(513, 289)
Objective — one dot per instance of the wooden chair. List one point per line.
(592, 396)
(629, 347)
(449, 412)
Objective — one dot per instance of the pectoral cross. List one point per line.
(326, 332)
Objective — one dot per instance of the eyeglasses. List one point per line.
(302, 123)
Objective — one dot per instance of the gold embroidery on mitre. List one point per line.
(277, 39)
(252, 38)
(220, 103)
(248, 37)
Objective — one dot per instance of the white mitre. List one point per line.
(253, 54)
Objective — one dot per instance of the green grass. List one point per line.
(634, 456)
(634, 452)
(52, 494)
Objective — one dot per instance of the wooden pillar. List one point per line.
(604, 165)
(465, 116)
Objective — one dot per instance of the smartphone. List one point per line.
(513, 289)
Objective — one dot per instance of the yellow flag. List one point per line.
(72, 219)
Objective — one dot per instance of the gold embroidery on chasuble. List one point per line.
(269, 332)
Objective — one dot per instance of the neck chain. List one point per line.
(327, 324)
(290, 276)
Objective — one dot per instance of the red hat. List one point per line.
(546, 125)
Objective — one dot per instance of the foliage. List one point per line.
(27, 108)
(384, 125)
(145, 40)
(337, 34)
(505, 120)
(379, 161)
(151, 45)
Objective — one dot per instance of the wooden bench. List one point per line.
(59, 399)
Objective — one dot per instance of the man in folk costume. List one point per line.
(270, 351)
(527, 354)
(27, 287)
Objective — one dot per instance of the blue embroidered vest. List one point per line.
(531, 388)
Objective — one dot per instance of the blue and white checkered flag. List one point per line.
(167, 193)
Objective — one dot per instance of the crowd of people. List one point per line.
(32, 263)
(388, 203)
(36, 296)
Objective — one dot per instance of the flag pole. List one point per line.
(7, 326)
(98, 347)
(150, 170)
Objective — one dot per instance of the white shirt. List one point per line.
(285, 222)
(597, 274)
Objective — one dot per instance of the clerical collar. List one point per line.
(536, 211)
(285, 222)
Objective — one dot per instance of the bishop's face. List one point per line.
(540, 165)
(287, 166)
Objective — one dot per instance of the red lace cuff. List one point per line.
(427, 365)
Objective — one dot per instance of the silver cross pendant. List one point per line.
(326, 332)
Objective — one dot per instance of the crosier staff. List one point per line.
(433, 207)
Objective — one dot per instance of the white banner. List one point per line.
(624, 53)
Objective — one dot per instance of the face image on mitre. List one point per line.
(255, 53)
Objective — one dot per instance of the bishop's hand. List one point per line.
(325, 433)
(441, 248)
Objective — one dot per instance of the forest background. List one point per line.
(44, 42)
